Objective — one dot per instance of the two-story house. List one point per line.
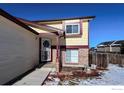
(63, 42)
(24, 44)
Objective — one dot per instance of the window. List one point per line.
(46, 43)
(72, 29)
(72, 56)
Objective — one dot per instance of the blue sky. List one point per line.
(108, 24)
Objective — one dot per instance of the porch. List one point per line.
(48, 37)
(50, 41)
(49, 49)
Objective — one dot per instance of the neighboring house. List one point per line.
(118, 47)
(61, 42)
(104, 46)
(111, 46)
(92, 49)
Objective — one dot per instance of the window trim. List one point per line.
(73, 35)
(79, 28)
(72, 61)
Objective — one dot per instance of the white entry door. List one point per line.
(46, 49)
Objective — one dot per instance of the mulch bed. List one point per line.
(74, 74)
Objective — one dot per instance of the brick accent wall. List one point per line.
(83, 58)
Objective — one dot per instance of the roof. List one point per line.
(71, 18)
(26, 23)
(118, 43)
(107, 43)
(112, 43)
(13, 19)
(41, 26)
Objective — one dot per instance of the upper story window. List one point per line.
(72, 28)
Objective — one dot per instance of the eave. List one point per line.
(56, 31)
(18, 22)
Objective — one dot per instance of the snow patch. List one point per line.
(113, 76)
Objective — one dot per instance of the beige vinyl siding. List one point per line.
(19, 50)
(83, 40)
(59, 26)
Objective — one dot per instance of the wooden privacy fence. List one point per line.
(103, 59)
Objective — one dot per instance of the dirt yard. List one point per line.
(113, 76)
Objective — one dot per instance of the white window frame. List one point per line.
(73, 24)
(72, 62)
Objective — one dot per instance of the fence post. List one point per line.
(107, 60)
(103, 59)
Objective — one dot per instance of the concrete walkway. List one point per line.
(36, 77)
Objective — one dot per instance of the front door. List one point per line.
(45, 50)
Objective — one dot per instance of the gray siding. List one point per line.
(19, 50)
(116, 49)
(101, 49)
(107, 49)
